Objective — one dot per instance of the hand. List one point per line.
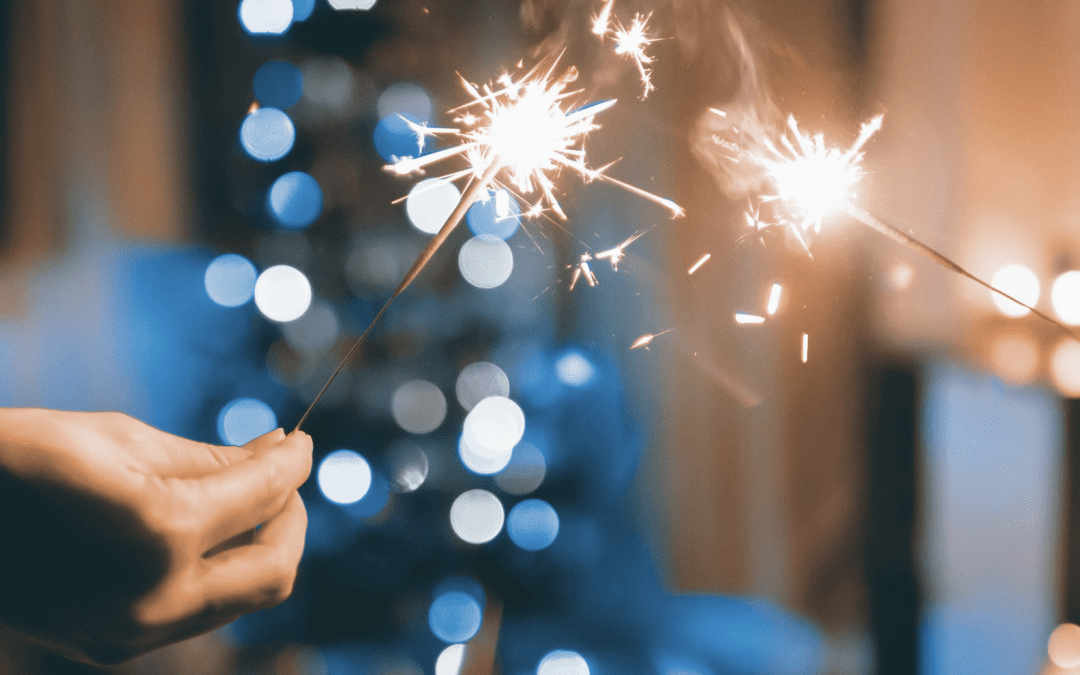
(117, 538)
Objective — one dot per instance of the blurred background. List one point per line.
(875, 479)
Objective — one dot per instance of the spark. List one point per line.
(644, 340)
(601, 20)
(615, 255)
(805, 346)
(750, 319)
(582, 269)
(632, 42)
(701, 261)
(774, 299)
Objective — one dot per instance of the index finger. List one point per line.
(252, 491)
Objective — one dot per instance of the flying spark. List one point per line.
(615, 255)
(582, 269)
(774, 299)
(805, 346)
(644, 340)
(701, 261)
(601, 20)
(750, 319)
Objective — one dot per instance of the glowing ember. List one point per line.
(701, 261)
(805, 346)
(750, 319)
(644, 340)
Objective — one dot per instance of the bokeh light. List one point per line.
(1019, 282)
(479, 380)
(478, 463)
(1015, 357)
(344, 477)
(267, 134)
(1063, 647)
(485, 261)
(408, 465)
(450, 660)
(230, 280)
(430, 203)
(271, 17)
(498, 214)
(494, 426)
(525, 472)
(302, 9)
(315, 331)
(1065, 297)
(282, 293)
(395, 139)
(295, 200)
(1065, 367)
(278, 84)
(574, 369)
(562, 662)
(476, 517)
(406, 99)
(455, 616)
(244, 419)
(532, 524)
(418, 406)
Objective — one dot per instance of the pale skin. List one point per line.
(118, 538)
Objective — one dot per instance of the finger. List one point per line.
(264, 442)
(261, 575)
(250, 492)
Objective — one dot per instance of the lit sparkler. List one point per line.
(528, 129)
(813, 180)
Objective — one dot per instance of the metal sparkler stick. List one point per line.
(875, 223)
(467, 198)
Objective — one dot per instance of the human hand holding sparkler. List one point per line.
(119, 538)
(529, 129)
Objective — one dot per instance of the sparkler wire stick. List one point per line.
(472, 192)
(875, 223)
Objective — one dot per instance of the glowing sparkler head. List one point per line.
(810, 177)
(528, 129)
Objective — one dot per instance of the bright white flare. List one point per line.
(531, 128)
(812, 178)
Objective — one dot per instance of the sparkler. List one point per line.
(529, 129)
(813, 180)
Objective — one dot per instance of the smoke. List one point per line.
(725, 135)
